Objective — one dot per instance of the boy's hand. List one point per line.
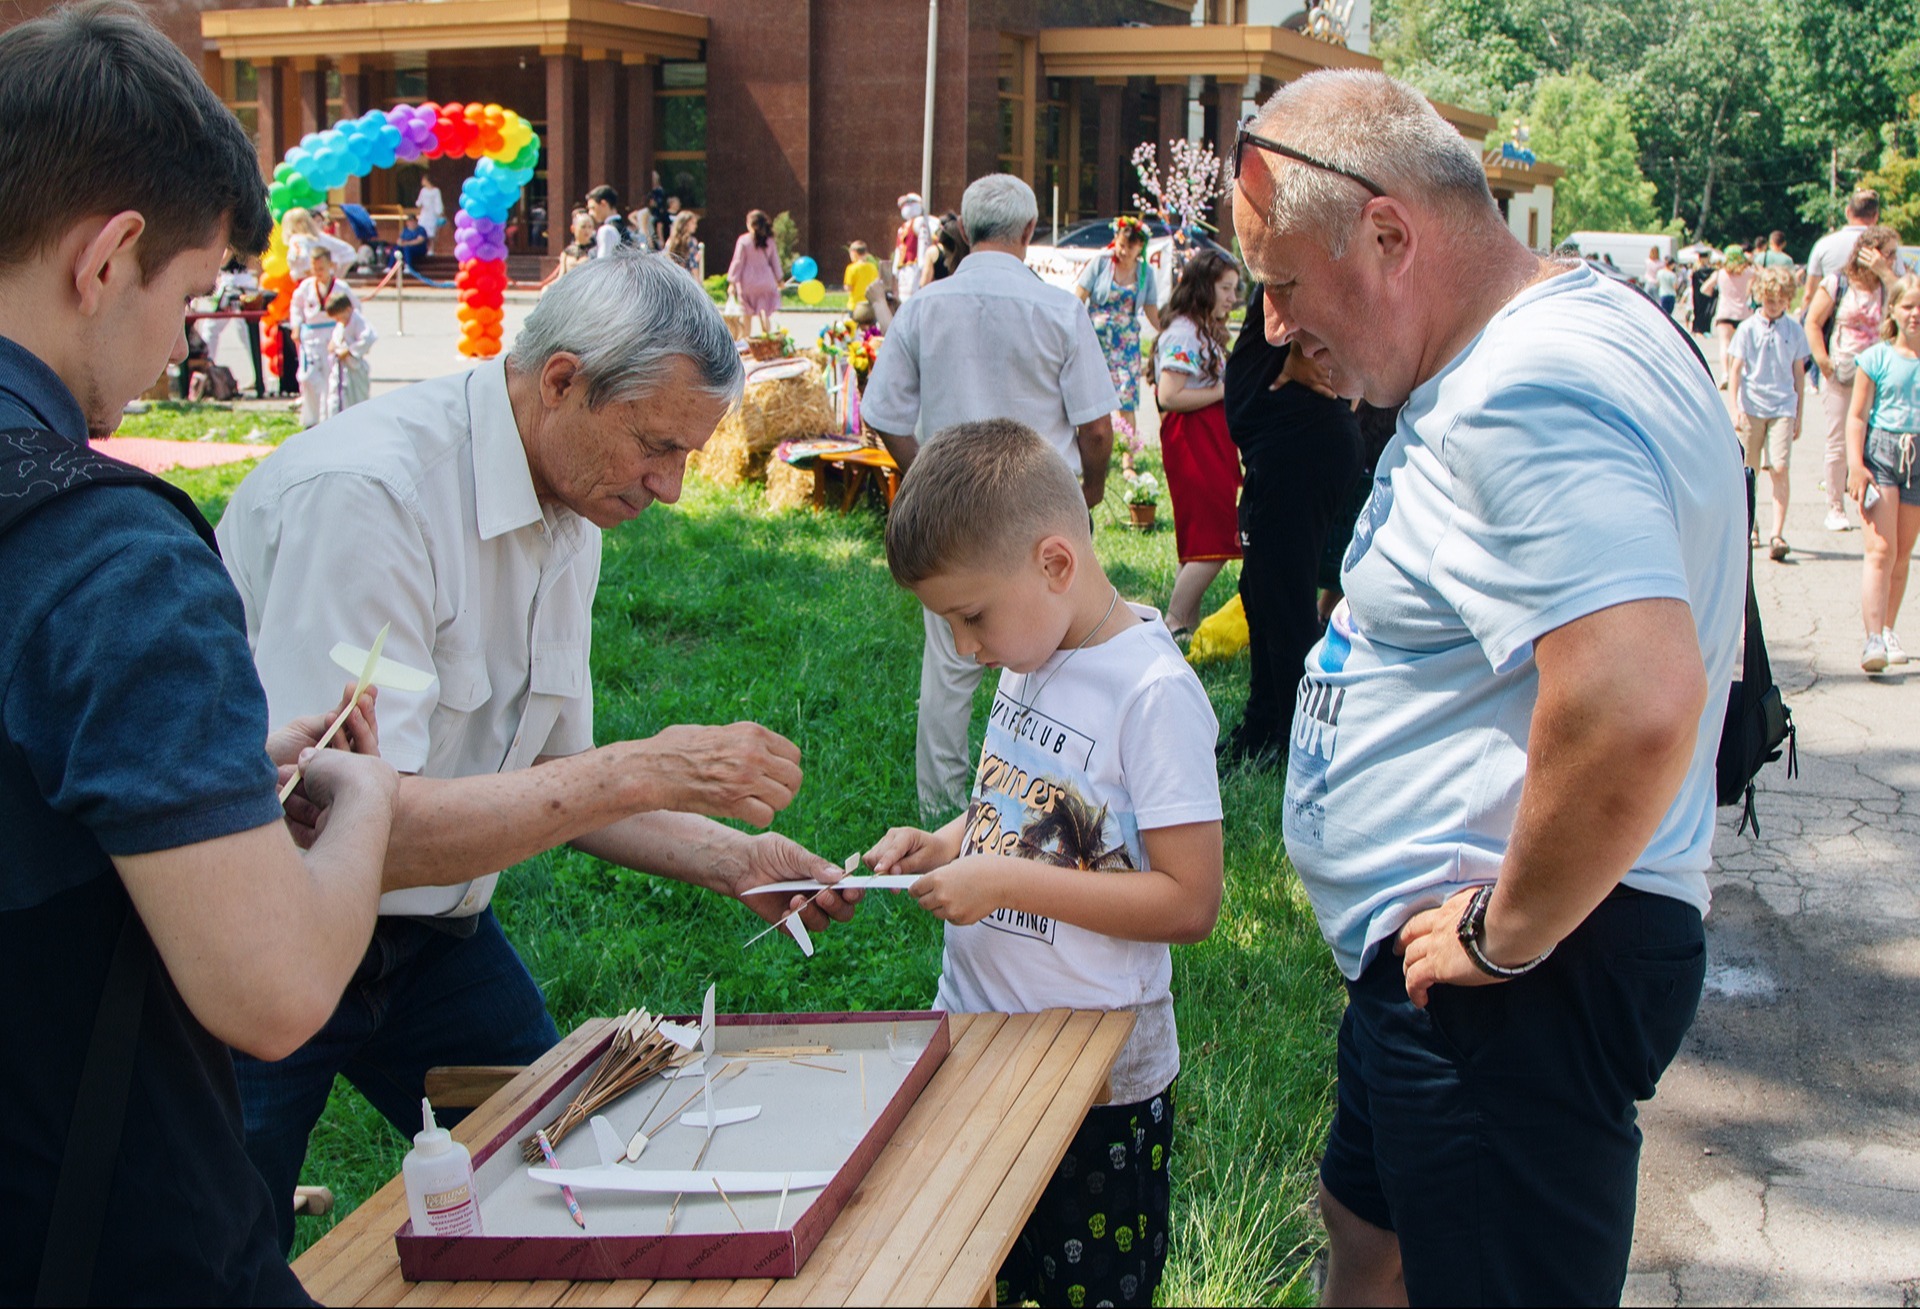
(963, 892)
(908, 850)
(1740, 421)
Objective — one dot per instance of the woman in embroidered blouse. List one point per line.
(682, 248)
(754, 276)
(1118, 288)
(1203, 467)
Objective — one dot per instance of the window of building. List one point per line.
(1016, 152)
(410, 76)
(241, 94)
(680, 131)
(336, 101)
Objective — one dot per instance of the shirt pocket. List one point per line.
(559, 668)
(464, 685)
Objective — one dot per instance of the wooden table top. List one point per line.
(930, 1224)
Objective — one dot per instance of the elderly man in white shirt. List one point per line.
(991, 341)
(466, 512)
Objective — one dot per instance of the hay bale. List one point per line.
(781, 402)
(789, 487)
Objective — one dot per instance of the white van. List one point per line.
(1628, 249)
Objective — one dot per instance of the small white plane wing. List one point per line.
(677, 1181)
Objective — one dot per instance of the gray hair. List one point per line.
(997, 207)
(1373, 125)
(627, 318)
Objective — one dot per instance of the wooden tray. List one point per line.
(811, 1119)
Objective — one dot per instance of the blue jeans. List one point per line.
(420, 998)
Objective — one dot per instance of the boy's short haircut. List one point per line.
(857, 249)
(1773, 281)
(100, 113)
(341, 301)
(981, 494)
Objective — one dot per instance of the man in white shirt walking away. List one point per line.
(991, 341)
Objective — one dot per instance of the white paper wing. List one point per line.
(855, 881)
(388, 674)
(677, 1181)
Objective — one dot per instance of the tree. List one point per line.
(1898, 182)
(1587, 129)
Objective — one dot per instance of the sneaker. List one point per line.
(1873, 656)
(1895, 655)
(1837, 521)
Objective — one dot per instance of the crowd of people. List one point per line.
(1501, 741)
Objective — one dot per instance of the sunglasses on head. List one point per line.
(1245, 138)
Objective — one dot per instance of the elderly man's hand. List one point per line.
(1431, 953)
(770, 857)
(738, 771)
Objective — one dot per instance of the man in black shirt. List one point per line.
(151, 896)
(1301, 447)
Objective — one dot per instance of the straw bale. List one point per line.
(789, 487)
(773, 410)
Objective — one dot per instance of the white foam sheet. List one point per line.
(810, 1121)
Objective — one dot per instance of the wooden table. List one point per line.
(930, 1224)
(857, 466)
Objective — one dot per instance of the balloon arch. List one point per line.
(503, 142)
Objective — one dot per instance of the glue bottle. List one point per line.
(439, 1178)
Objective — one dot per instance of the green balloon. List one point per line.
(282, 172)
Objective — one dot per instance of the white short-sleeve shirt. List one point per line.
(992, 341)
(417, 509)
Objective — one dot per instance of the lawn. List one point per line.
(717, 609)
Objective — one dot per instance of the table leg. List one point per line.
(253, 348)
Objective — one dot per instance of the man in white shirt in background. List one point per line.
(466, 512)
(991, 341)
(1832, 251)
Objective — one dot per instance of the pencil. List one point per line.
(566, 1192)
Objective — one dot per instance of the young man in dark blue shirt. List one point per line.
(150, 892)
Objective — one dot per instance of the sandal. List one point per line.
(1778, 549)
(1183, 637)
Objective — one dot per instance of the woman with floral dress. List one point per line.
(1118, 288)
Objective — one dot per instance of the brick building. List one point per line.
(814, 107)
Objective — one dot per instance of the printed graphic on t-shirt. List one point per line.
(1316, 725)
(1027, 804)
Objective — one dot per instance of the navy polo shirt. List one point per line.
(133, 722)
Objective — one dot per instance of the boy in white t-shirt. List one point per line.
(1767, 376)
(1092, 840)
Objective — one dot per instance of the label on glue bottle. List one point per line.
(438, 1173)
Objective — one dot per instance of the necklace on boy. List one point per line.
(1026, 710)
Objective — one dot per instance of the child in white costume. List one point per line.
(350, 344)
(307, 318)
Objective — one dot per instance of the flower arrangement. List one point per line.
(1183, 196)
(1143, 489)
(860, 353)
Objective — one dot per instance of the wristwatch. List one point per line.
(1472, 932)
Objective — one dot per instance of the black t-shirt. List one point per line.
(133, 723)
(1261, 420)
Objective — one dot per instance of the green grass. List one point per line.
(207, 420)
(717, 609)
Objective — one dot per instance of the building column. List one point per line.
(1221, 98)
(1113, 92)
(1173, 118)
(643, 79)
(603, 121)
(353, 103)
(312, 79)
(563, 186)
(272, 96)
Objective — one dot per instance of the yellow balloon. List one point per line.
(812, 292)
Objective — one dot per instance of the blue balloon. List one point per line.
(804, 268)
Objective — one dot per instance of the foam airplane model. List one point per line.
(612, 1175)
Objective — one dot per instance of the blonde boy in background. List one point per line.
(1092, 840)
(1766, 374)
(862, 269)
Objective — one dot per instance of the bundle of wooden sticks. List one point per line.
(638, 1053)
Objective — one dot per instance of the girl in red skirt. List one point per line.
(1203, 467)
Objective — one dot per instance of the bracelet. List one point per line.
(1472, 933)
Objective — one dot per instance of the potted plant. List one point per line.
(1143, 500)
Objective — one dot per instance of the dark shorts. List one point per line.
(1890, 462)
(1100, 1232)
(1495, 1131)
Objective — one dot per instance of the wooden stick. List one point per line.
(728, 1203)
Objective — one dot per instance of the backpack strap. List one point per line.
(76, 1220)
(37, 465)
